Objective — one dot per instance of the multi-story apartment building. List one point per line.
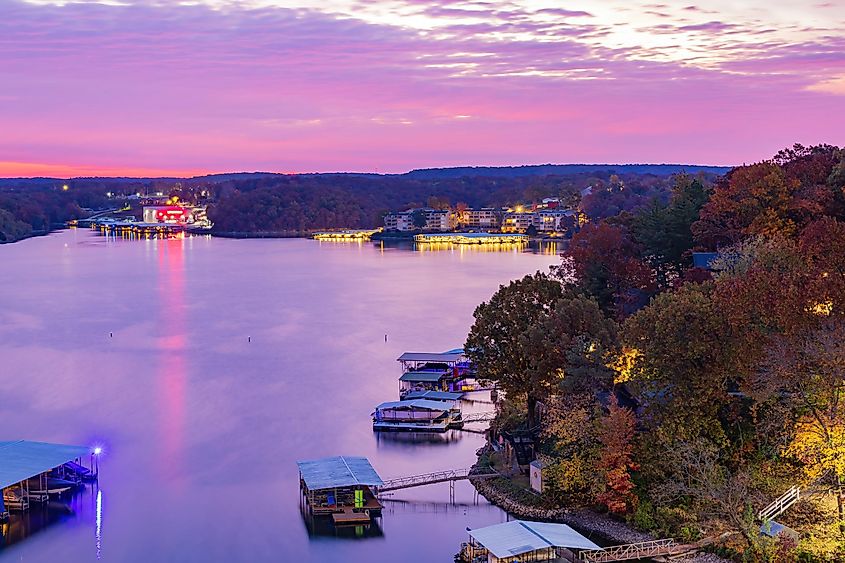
(517, 221)
(435, 220)
(555, 220)
(484, 218)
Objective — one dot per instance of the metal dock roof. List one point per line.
(517, 537)
(444, 358)
(423, 404)
(432, 395)
(21, 459)
(338, 471)
(424, 376)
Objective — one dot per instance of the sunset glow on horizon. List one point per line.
(144, 88)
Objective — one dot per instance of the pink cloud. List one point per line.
(191, 89)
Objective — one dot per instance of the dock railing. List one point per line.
(449, 475)
(633, 551)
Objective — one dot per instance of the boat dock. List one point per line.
(32, 472)
(472, 238)
(341, 487)
(421, 415)
(347, 235)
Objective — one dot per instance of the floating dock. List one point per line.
(345, 235)
(341, 487)
(472, 238)
(416, 415)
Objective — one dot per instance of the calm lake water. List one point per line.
(200, 427)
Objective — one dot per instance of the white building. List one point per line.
(435, 220)
(176, 215)
(484, 218)
(517, 221)
(555, 220)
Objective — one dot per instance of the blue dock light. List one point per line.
(96, 452)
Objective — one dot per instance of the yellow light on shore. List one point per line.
(65, 187)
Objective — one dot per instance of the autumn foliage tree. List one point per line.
(603, 262)
(616, 458)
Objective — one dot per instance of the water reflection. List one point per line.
(323, 526)
(199, 421)
(543, 247)
(171, 359)
(400, 440)
(68, 509)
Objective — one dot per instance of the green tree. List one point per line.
(531, 338)
(419, 218)
(499, 343)
(683, 356)
(664, 232)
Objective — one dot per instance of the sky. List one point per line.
(146, 87)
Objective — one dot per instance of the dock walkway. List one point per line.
(449, 475)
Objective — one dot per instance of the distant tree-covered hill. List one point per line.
(253, 202)
(566, 170)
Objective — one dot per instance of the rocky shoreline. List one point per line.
(598, 527)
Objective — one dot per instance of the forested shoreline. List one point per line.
(256, 203)
(685, 399)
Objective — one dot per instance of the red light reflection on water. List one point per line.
(172, 366)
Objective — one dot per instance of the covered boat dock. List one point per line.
(342, 487)
(423, 381)
(520, 540)
(422, 415)
(32, 471)
(445, 396)
(419, 360)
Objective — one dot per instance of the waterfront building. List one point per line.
(483, 218)
(176, 214)
(517, 221)
(435, 220)
(520, 540)
(555, 220)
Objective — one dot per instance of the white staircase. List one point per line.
(780, 504)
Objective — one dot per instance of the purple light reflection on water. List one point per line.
(203, 425)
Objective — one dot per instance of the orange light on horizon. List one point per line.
(50, 170)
